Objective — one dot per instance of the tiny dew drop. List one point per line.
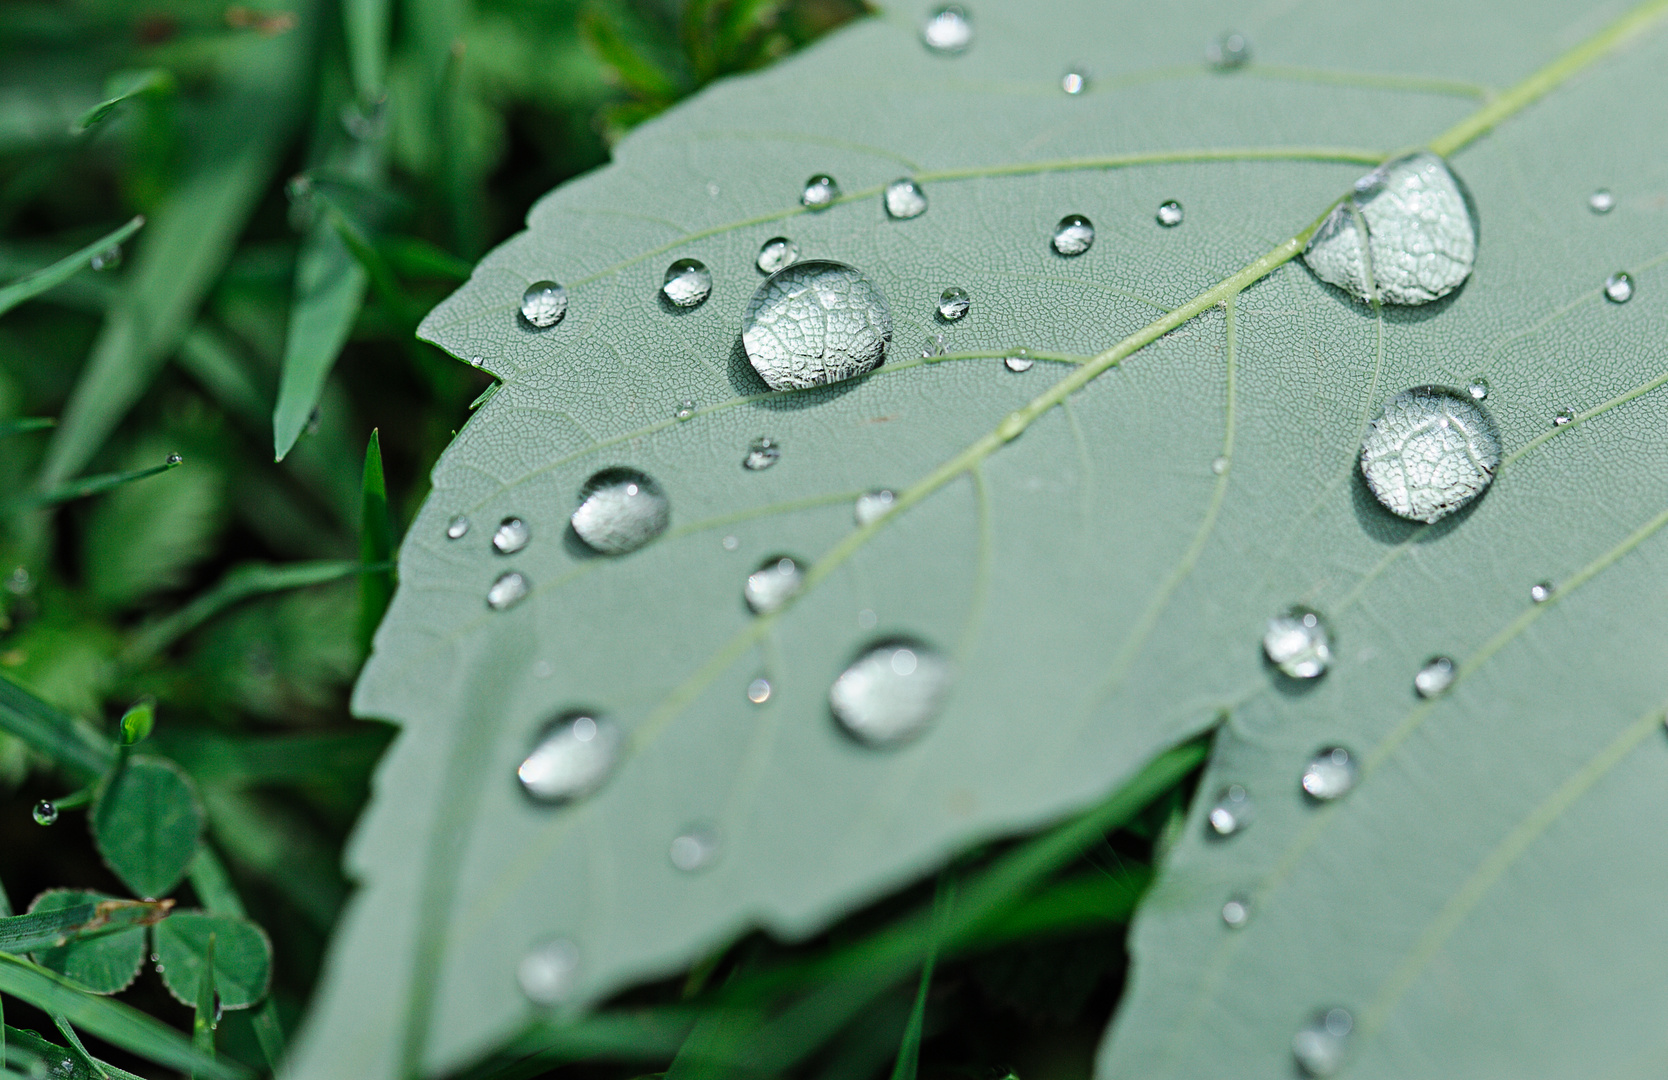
(772, 585)
(1435, 677)
(694, 849)
(873, 505)
(688, 283)
(1074, 82)
(762, 454)
(814, 323)
(108, 259)
(1228, 52)
(820, 192)
(507, 591)
(173, 459)
(890, 693)
(1540, 592)
(932, 347)
(953, 303)
(1330, 774)
(457, 528)
(904, 199)
(1170, 213)
(1219, 466)
(947, 30)
(620, 510)
(1429, 452)
(1478, 389)
(1299, 643)
(776, 253)
(731, 543)
(1073, 235)
(1562, 417)
(543, 304)
(1601, 201)
(1236, 912)
(46, 812)
(477, 360)
(1618, 287)
(1018, 360)
(758, 691)
(511, 536)
(1321, 1045)
(1232, 812)
(548, 972)
(573, 756)
(686, 410)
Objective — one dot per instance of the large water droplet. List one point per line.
(776, 253)
(813, 323)
(688, 283)
(1073, 235)
(1429, 452)
(1170, 213)
(953, 303)
(948, 30)
(108, 259)
(1229, 51)
(1330, 774)
(46, 812)
(762, 454)
(695, 848)
(1074, 82)
(1618, 287)
(820, 192)
(1421, 234)
(548, 972)
(773, 584)
(543, 304)
(1237, 911)
(873, 505)
(890, 693)
(507, 591)
(1299, 643)
(620, 510)
(1540, 592)
(1320, 1045)
(572, 758)
(1233, 810)
(457, 528)
(511, 536)
(1601, 201)
(904, 199)
(1563, 417)
(1435, 677)
(758, 691)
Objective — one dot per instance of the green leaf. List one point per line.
(122, 86)
(48, 277)
(242, 957)
(53, 920)
(329, 290)
(104, 964)
(376, 543)
(68, 742)
(1064, 537)
(366, 24)
(147, 821)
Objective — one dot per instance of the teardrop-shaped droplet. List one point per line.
(820, 192)
(890, 693)
(1330, 774)
(548, 973)
(685, 411)
(572, 758)
(813, 323)
(954, 303)
(688, 283)
(947, 30)
(620, 510)
(1073, 235)
(1299, 643)
(108, 259)
(1421, 234)
(1321, 1045)
(1478, 388)
(873, 505)
(1601, 201)
(511, 536)
(46, 812)
(904, 199)
(1232, 812)
(1074, 82)
(773, 584)
(507, 591)
(1229, 51)
(1540, 592)
(1563, 417)
(762, 454)
(457, 528)
(543, 304)
(776, 253)
(1429, 452)
(1018, 360)
(1237, 911)
(695, 848)
(1618, 287)
(1170, 213)
(758, 691)
(1435, 677)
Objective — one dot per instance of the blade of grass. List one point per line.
(214, 890)
(92, 1064)
(266, 761)
(120, 87)
(94, 485)
(202, 1021)
(909, 1049)
(47, 277)
(20, 424)
(365, 23)
(69, 742)
(376, 544)
(44, 929)
(329, 291)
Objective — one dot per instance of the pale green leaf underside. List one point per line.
(1101, 589)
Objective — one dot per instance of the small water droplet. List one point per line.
(18, 582)
(695, 848)
(543, 304)
(511, 536)
(507, 591)
(1618, 287)
(1435, 677)
(1540, 592)
(820, 192)
(1233, 810)
(1219, 466)
(712, 189)
(1601, 201)
(953, 303)
(1236, 912)
(548, 972)
(620, 510)
(686, 410)
(1018, 360)
(932, 347)
(1320, 1045)
(1299, 643)
(1429, 452)
(758, 691)
(773, 584)
(688, 283)
(542, 669)
(866, 619)
(813, 323)
(1562, 417)
(1330, 774)
(45, 813)
(457, 528)
(762, 454)
(573, 756)
(1074, 82)
(731, 543)
(890, 693)
(173, 459)
(873, 505)
(948, 30)
(108, 259)
(1228, 52)
(776, 253)
(1170, 213)
(1073, 235)
(477, 360)
(1478, 389)
(904, 199)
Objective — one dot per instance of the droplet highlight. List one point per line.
(820, 192)
(1019, 360)
(1321, 1045)
(954, 303)
(948, 30)
(548, 973)
(620, 510)
(1618, 287)
(1330, 774)
(1074, 82)
(45, 812)
(572, 758)
(694, 849)
(814, 323)
(507, 591)
(108, 259)
(1236, 912)
(1540, 592)
(904, 199)
(776, 253)
(770, 587)
(1434, 678)
(1299, 643)
(1170, 213)
(457, 528)
(686, 411)
(1073, 235)
(543, 304)
(687, 284)
(873, 505)
(1478, 389)
(762, 454)
(1231, 50)
(1601, 201)
(1429, 452)
(1563, 417)
(890, 693)
(511, 536)
(758, 691)
(1232, 811)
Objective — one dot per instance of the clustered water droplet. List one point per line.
(948, 30)
(1429, 452)
(954, 303)
(1074, 82)
(509, 589)
(1330, 774)
(758, 691)
(573, 756)
(776, 253)
(1434, 678)
(511, 536)
(548, 972)
(695, 848)
(1232, 812)
(1299, 643)
(620, 510)
(890, 693)
(773, 584)
(762, 454)
(904, 199)
(687, 284)
(1540, 592)
(1601, 201)
(543, 304)
(813, 323)
(1170, 213)
(1230, 51)
(457, 528)
(1321, 1044)
(873, 505)
(1618, 287)
(45, 812)
(1073, 235)
(820, 192)
(1236, 912)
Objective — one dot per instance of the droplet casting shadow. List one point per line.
(1285, 684)
(747, 382)
(577, 548)
(1381, 525)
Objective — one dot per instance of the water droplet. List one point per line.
(173, 459)
(507, 591)
(511, 536)
(542, 669)
(18, 582)
(820, 192)
(1330, 774)
(1540, 592)
(1421, 234)
(1435, 677)
(813, 323)
(731, 543)
(904, 199)
(1228, 52)
(866, 619)
(548, 972)
(476, 361)
(773, 584)
(758, 691)
(1618, 287)
(932, 347)
(571, 759)
(1233, 810)
(712, 189)
(1074, 82)
(776, 253)
(1429, 452)
(873, 505)
(948, 30)
(890, 693)
(1018, 360)
(108, 259)
(1170, 213)
(688, 283)
(1236, 912)
(1478, 389)
(543, 304)
(695, 848)
(686, 410)
(620, 510)
(1073, 235)
(46, 812)
(1320, 1045)
(1219, 466)
(762, 454)
(1601, 201)
(1562, 417)
(1299, 643)
(953, 303)
(457, 528)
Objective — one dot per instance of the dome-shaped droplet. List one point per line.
(1429, 452)
(1563, 416)
(46, 812)
(173, 459)
(511, 536)
(773, 584)
(1073, 235)
(1435, 677)
(1421, 234)
(507, 591)
(873, 505)
(620, 510)
(695, 848)
(548, 972)
(1229, 51)
(1236, 912)
(1170, 213)
(776, 253)
(1299, 643)
(762, 454)
(572, 758)
(1321, 1044)
(813, 323)
(1540, 592)
(932, 347)
(1330, 774)
(953, 303)
(688, 283)
(1219, 465)
(1478, 388)
(947, 30)
(1618, 287)
(1018, 360)
(820, 192)
(758, 691)
(457, 528)
(904, 199)
(1232, 812)
(685, 411)
(1074, 82)
(108, 259)
(890, 693)
(1601, 201)
(543, 304)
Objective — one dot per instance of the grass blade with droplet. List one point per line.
(93, 485)
(48, 277)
